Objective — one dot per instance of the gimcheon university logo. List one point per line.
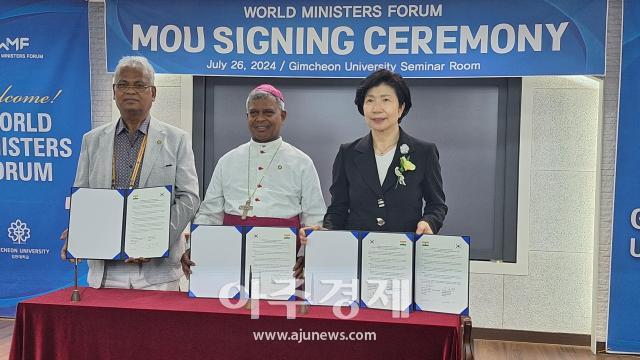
(19, 233)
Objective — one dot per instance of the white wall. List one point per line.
(560, 125)
(101, 95)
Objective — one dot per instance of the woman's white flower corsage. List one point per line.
(405, 165)
(404, 149)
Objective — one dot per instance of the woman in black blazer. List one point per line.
(386, 180)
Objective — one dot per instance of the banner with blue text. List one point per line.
(624, 292)
(44, 110)
(334, 39)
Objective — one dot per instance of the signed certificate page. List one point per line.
(269, 259)
(147, 222)
(387, 271)
(442, 274)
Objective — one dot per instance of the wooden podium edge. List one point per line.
(466, 342)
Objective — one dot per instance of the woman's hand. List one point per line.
(423, 228)
(302, 234)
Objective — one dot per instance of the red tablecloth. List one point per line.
(135, 324)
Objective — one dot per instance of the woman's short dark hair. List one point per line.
(387, 77)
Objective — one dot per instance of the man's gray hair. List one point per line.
(259, 95)
(139, 63)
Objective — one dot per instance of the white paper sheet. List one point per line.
(269, 258)
(387, 269)
(217, 252)
(331, 268)
(95, 224)
(442, 274)
(147, 222)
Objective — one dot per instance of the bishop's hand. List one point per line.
(186, 263)
(298, 268)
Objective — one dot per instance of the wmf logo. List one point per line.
(19, 232)
(15, 44)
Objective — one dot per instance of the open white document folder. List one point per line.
(217, 252)
(387, 271)
(331, 268)
(112, 224)
(442, 274)
(95, 224)
(147, 223)
(269, 259)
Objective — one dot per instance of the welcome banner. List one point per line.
(456, 38)
(624, 292)
(44, 110)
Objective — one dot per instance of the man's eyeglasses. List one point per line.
(136, 87)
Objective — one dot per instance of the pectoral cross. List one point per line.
(245, 209)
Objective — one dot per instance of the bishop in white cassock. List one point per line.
(270, 180)
(265, 182)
